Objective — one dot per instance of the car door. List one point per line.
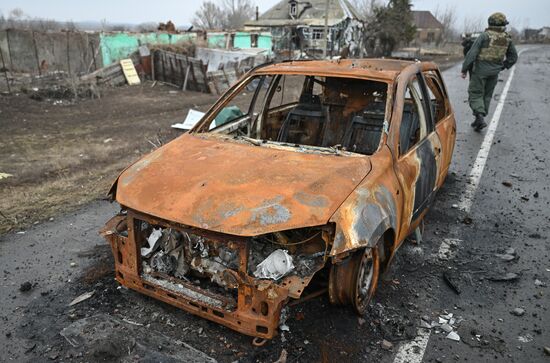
(419, 149)
(444, 119)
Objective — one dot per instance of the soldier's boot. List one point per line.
(478, 123)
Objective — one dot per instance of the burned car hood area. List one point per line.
(237, 188)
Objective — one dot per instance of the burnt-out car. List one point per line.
(303, 179)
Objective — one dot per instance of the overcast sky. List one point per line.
(521, 13)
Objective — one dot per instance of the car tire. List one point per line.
(354, 281)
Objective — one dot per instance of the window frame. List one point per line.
(435, 77)
(423, 102)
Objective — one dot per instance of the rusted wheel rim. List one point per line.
(365, 277)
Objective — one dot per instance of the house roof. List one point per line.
(424, 19)
(313, 15)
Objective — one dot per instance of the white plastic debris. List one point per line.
(152, 240)
(526, 338)
(275, 266)
(453, 336)
(193, 117)
(425, 324)
(81, 298)
(284, 327)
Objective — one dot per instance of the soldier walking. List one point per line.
(491, 52)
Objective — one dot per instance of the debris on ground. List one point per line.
(453, 336)
(386, 345)
(81, 298)
(509, 276)
(4, 175)
(25, 286)
(447, 323)
(451, 283)
(507, 184)
(506, 257)
(282, 357)
(102, 337)
(518, 312)
(525, 338)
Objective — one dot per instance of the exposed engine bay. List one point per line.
(252, 278)
(193, 258)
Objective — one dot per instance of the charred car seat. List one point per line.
(365, 130)
(305, 123)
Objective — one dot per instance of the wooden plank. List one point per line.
(203, 72)
(153, 65)
(130, 72)
(184, 88)
(197, 87)
(36, 54)
(170, 60)
(68, 56)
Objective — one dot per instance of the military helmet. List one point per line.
(498, 19)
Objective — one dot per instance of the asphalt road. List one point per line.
(65, 257)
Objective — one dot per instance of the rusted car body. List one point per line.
(321, 169)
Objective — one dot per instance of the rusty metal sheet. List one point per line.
(375, 69)
(239, 189)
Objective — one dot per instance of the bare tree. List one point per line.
(17, 19)
(225, 14)
(71, 26)
(447, 17)
(473, 25)
(209, 16)
(237, 12)
(366, 7)
(118, 28)
(147, 27)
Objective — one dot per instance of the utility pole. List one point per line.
(325, 31)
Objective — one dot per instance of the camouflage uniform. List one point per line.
(492, 52)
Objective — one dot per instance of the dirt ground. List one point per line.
(63, 154)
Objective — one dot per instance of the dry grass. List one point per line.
(62, 157)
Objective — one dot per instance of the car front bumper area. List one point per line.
(244, 303)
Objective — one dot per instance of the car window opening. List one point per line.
(316, 111)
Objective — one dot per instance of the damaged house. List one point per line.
(300, 26)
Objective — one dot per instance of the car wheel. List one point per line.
(354, 281)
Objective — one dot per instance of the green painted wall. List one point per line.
(242, 40)
(117, 46)
(216, 40)
(265, 41)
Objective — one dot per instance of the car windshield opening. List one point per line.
(305, 110)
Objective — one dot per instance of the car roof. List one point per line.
(370, 68)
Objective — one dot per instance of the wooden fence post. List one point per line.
(36, 54)
(5, 70)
